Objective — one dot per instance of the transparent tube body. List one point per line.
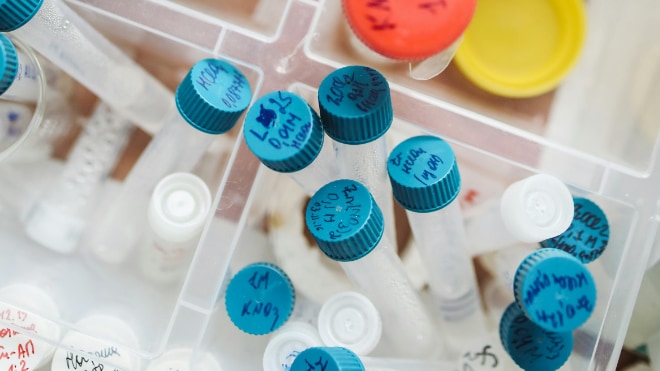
(367, 163)
(486, 231)
(320, 172)
(72, 44)
(58, 219)
(419, 70)
(162, 260)
(407, 325)
(176, 148)
(25, 86)
(440, 238)
(402, 364)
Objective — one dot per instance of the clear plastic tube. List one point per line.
(367, 163)
(58, 219)
(319, 173)
(402, 364)
(25, 86)
(72, 44)
(176, 148)
(407, 326)
(452, 279)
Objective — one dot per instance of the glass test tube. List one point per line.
(426, 181)
(285, 133)
(348, 227)
(425, 34)
(211, 98)
(67, 40)
(176, 215)
(530, 210)
(59, 217)
(356, 112)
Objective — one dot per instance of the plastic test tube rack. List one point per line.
(285, 58)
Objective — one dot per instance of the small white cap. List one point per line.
(178, 207)
(179, 359)
(537, 208)
(51, 227)
(287, 342)
(350, 320)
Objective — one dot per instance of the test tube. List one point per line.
(356, 112)
(211, 98)
(587, 235)
(287, 343)
(67, 40)
(530, 346)
(426, 181)
(350, 320)
(20, 74)
(348, 227)
(176, 214)
(285, 133)
(182, 359)
(532, 209)
(259, 298)
(425, 34)
(553, 288)
(94, 344)
(57, 220)
(32, 310)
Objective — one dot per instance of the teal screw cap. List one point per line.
(344, 220)
(355, 105)
(213, 95)
(8, 63)
(327, 359)
(283, 131)
(424, 174)
(16, 13)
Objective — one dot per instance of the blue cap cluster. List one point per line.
(260, 298)
(213, 95)
(283, 131)
(16, 13)
(327, 359)
(344, 220)
(8, 63)
(424, 174)
(355, 105)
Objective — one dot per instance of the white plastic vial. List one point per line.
(176, 215)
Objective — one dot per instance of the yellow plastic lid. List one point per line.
(522, 48)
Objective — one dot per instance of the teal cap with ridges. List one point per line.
(424, 174)
(555, 290)
(355, 105)
(344, 220)
(213, 95)
(531, 346)
(327, 359)
(283, 131)
(260, 298)
(16, 13)
(8, 63)
(588, 234)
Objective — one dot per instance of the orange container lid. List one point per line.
(408, 29)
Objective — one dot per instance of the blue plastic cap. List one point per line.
(344, 220)
(587, 236)
(8, 63)
(260, 298)
(424, 174)
(355, 105)
(555, 290)
(531, 346)
(327, 359)
(213, 95)
(16, 13)
(283, 131)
